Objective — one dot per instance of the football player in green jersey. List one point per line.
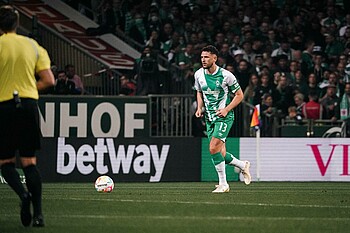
(214, 86)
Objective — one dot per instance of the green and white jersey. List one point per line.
(216, 89)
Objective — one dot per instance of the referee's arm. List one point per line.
(46, 80)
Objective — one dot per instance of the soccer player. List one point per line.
(21, 59)
(214, 85)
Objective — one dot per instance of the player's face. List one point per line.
(208, 59)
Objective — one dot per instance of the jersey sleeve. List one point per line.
(231, 81)
(197, 86)
(43, 62)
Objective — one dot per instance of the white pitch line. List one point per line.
(201, 203)
(210, 217)
(205, 203)
(170, 217)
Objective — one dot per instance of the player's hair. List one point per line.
(9, 18)
(211, 49)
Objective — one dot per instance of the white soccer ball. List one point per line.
(104, 184)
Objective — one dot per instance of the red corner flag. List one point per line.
(256, 117)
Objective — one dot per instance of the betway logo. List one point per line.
(87, 158)
(323, 165)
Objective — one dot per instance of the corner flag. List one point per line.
(255, 122)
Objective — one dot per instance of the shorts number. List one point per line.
(223, 127)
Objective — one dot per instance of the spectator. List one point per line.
(272, 43)
(330, 103)
(237, 57)
(331, 17)
(264, 88)
(284, 49)
(219, 40)
(283, 18)
(107, 21)
(345, 25)
(154, 23)
(313, 32)
(294, 66)
(242, 73)
(313, 109)
(333, 48)
(70, 72)
(267, 115)
(127, 87)
(285, 93)
(307, 57)
(95, 6)
(248, 52)
(169, 42)
(258, 64)
(292, 114)
(299, 104)
(249, 90)
(164, 9)
(263, 30)
(299, 85)
(282, 64)
(185, 60)
(209, 30)
(343, 60)
(64, 85)
(176, 18)
(276, 78)
(258, 46)
(138, 30)
(146, 73)
(230, 68)
(345, 103)
(317, 68)
(201, 40)
(225, 52)
(236, 44)
(341, 70)
(166, 33)
(332, 80)
(154, 42)
(312, 85)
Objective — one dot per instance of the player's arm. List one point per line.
(235, 88)
(237, 99)
(200, 104)
(46, 79)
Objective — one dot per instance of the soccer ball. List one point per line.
(104, 184)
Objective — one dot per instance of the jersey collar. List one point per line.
(216, 70)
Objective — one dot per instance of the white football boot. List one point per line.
(246, 174)
(223, 188)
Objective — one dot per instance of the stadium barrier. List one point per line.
(312, 128)
(84, 137)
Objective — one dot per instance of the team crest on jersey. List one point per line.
(217, 83)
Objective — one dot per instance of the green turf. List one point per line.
(187, 207)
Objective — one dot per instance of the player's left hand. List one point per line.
(221, 112)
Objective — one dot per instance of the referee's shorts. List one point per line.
(19, 128)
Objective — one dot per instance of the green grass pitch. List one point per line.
(266, 207)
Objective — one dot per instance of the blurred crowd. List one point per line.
(292, 57)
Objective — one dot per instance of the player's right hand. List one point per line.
(199, 113)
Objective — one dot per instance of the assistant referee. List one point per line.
(21, 58)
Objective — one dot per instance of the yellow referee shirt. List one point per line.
(20, 58)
